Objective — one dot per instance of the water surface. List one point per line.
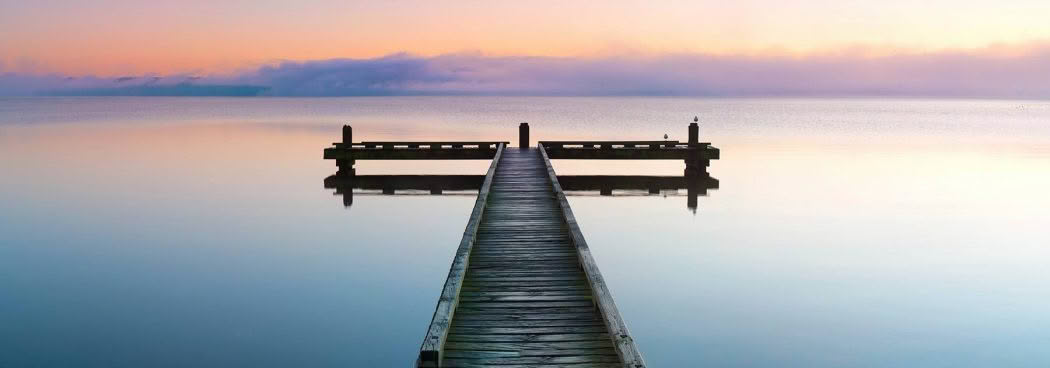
(174, 232)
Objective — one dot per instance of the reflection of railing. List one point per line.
(573, 184)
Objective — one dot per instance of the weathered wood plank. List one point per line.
(507, 316)
(514, 346)
(479, 353)
(463, 330)
(529, 323)
(466, 364)
(530, 337)
(536, 360)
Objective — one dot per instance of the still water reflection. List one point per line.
(573, 185)
(176, 232)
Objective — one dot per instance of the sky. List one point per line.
(239, 40)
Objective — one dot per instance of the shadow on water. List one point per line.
(574, 185)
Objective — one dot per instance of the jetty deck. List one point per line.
(523, 289)
(529, 293)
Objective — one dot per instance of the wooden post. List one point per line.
(346, 167)
(523, 135)
(692, 162)
(694, 132)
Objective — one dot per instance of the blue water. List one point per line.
(175, 232)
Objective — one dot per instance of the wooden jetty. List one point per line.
(523, 289)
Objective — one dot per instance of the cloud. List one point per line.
(991, 72)
(12, 84)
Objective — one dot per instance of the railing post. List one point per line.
(345, 167)
(694, 132)
(692, 160)
(523, 135)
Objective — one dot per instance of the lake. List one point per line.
(196, 232)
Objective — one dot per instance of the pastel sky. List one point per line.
(121, 37)
(347, 47)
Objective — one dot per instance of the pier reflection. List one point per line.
(694, 186)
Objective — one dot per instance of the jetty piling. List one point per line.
(523, 135)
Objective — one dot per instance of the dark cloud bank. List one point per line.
(982, 73)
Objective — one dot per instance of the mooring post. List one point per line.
(523, 135)
(692, 160)
(346, 166)
(694, 132)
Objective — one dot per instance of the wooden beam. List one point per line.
(621, 337)
(579, 143)
(609, 153)
(409, 154)
(434, 341)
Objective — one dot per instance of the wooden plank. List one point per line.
(617, 329)
(524, 293)
(523, 298)
(530, 337)
(437, 332)
(409, 154)
(547, 312)
(464, 330)
(444, 143)
(578, 365)
(578, 303)
(476, 354)
(578, 143)
(609, 153)
(535, 360)
(505, 316)
(512, 346)
(528, 323)
(579, 286)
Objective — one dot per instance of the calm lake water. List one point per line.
(184, 232)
